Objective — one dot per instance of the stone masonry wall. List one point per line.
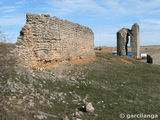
(46, 39)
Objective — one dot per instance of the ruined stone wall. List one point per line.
(46, 38)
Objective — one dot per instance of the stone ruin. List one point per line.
(45, 39)
(123, 37)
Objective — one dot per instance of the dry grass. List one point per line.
(6, 44)
(117, 60)
(109, 50)
(123, 84)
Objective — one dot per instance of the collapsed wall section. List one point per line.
(46, 39)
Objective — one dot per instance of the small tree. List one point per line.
(2, 38)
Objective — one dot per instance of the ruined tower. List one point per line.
(123, 37)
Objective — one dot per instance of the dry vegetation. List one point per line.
(112, 84)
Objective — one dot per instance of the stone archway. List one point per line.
(123, 37)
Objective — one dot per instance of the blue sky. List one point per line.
(104, 17)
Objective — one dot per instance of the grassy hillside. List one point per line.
(113, 85)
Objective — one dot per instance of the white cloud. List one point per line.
(132, 7)
(115, 7)
(8, 9)
(106, 8)
(65, 7)
(12, 20)
(148, 3)
(20, 2)
(152, 21)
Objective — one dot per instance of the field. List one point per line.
(113, 85)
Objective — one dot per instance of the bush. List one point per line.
(2, 38)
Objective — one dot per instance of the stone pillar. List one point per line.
(135, 41)
(122, 40)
